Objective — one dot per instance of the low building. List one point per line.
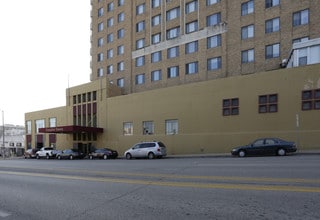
(203, 117)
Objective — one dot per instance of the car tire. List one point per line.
(105, 157)
(37, 156)
(91, 157)
(150, 155)
(59, 157)
(128, 156)
(71, 157)
(47, 157)
(242, 153)
(281, 152)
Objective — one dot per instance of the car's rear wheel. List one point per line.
(281, 152)
(59, 157)
(37, 156)
(151, 155)
(242, 153)
(47, 157)
(90, 157)
(128, 156)
(105, 157)
(71, 157)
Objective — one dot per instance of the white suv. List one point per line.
(151, 150)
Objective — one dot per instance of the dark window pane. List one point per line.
(262, 99)
(273, 98)
(306, 105)
(306, 94)
(226, 103)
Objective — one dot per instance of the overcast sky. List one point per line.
(44, 47)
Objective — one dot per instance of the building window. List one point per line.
(301, 39)
(156, 75)
(121, 17)
(156, 57)
(109, 53)
(140, 79)
(214, 63)
(140, 61)
(140, 9)
(127, 128)
(100, 42)
(272, 25)
(173, 33)
(110, 69)
(310, 100)
(155, 20)
(300, 17)
(110, 22)
(120, 2)
(120, 33)
(52, 122)
(100, 72)
(100, 12)
(191, 47)
(230, 106)
(140, 26)
(268, 103)
(40, 123)
(140, 43)
(191, 6)
(211, 2)
(173, 52)
(247, 56)
(100, 57)
(272, 51)
(192, 68)
(272, 3)
(120, 82)
(247, 32)
(173, 71)
(109, 38)
(247, 8)
(191, 27)
(173, 13)
(303, 57)
(148, 127)
(155, 3)
(120, 66)
(110, 6)
(120, 49)
(100, 27)
(172, 127)
(28, 127)
(214, 41)
(156, 38)
(213, 19)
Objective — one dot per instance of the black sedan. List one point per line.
(265, 146)
(104, 153)
(69, 154)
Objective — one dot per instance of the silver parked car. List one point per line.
(151, 150)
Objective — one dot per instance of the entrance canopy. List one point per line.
(71, 129)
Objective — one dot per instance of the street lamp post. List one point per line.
(3, 141)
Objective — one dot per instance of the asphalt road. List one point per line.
(173, 188)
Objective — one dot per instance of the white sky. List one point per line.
(43, 45)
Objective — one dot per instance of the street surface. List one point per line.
(171, 188)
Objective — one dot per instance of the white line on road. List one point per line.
(4, 214)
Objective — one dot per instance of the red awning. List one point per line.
(71, 129)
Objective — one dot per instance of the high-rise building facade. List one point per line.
(140, 45)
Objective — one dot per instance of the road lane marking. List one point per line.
(4, 214)
(175, 176)
(231, 186)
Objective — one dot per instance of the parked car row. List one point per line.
(156, 149)
(148, 150)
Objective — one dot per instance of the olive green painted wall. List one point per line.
(198, 107)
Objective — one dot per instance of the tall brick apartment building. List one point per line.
(200, 75)
(148, 44)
